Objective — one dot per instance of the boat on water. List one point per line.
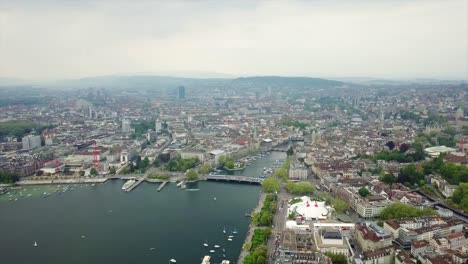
(212, 251)
(216, 246)
(214, 198)
(206, 260)
(234, 231)
(229, 239)
(225, 261)
(224, 230)
(128, 184)
(230, 236)
(205, 244)
(35, 243)
(172, 261)
(193, 190)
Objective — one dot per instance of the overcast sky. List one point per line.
(389, 39)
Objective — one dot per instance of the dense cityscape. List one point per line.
(373, 172)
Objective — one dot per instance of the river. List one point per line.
(103, 224)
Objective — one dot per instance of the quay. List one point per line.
(245, 251)
(129, 189)
(162, 185)
(62, 181)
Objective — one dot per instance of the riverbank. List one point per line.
(244, 252)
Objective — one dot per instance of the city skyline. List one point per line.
(327, 39)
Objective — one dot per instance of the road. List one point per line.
(279, 224)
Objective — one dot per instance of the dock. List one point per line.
(162, 185)
(129, 189)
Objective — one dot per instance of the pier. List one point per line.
(162, 185)
(129, 189)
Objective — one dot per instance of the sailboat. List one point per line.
(35, 243)
(205, 244)
(224, 230)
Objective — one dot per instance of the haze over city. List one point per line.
(43, 40)
(234, 132)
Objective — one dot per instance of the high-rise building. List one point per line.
(31, 142)
(90, 112)
(157, 125)
(151, 135)
(126, 126)
(181, 93)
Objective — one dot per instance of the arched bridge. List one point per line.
(234, 178)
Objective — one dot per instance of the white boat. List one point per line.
(205, 244)
(214, 198)
(206, 260)
(173, 261)
(128, 184)
(224, 230)
(212, 251)
(216, 246)
(229, 239)
(231, 236)
(35, 243)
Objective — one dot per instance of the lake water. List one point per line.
(103, 224)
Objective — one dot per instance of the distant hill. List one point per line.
(162, 82)
(285, 82)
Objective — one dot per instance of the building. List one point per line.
(31, 142)
(308, 209)
(437, 150)
(456, 240)
(297, 171)
(371, 209)
(331, 240)
(372, 237)
(181, 92)
(193, 153)
(158, 125)
(126, 126)
(90, 112)
(379, 256)
(151, 135)
(419, 247)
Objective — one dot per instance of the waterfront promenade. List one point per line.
(245, 251)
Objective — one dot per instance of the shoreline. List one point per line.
(248, 238)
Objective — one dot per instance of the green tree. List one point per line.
(146, 162)
(337, 258)
(204, 169)
(229, 164)
(400, 210)
(388, 178)
(8, 177)
(270, 185)
(339, 205)
(364, 192)
(290, 151)
(93, 172)
(460, 196)
(112, 170)
(192, 175)
(300, 188)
